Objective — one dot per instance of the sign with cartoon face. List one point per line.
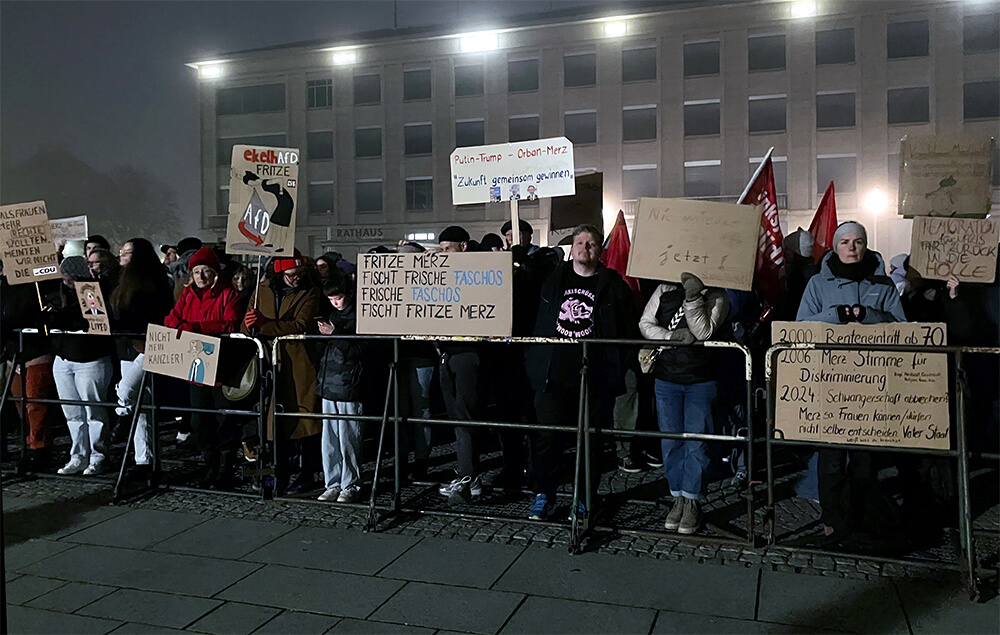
(945, 175)
(190, 356)
(28, 253)
(93, 307)
(262, 200)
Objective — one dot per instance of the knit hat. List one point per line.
(522, 225)
(284, 264)
(75, 267)
(346, 266)
(899, 261)
(799, 242)
(74, 248)
(188, 244)
(850, 227)
(453, 234)
(205, 256)
(490, 241)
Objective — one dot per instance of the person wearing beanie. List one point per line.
(326, 262)
(852, 286)
(454, 239)
(287, 302)
(96, 241)
(897, 271)
(491, 242)
(210, 306)
(525, 230)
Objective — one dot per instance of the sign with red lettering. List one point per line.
(962, 247)
(523, 171)
(262, 195)
(29, 255)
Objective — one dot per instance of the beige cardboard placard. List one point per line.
(29, 255)
(91, 300)
(72, 228)
(193, 357)
(863, 397)
(262, 200)
(945, 175)
(715, 241)
(435, 294)
(963, 247)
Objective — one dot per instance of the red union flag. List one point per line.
(769, 270)
(616, 252)
(824, 224)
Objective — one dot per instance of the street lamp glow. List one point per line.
(210, 71)
(479, 42)
(876, 201)
(804, 9)
(343, 58)
(615, 29)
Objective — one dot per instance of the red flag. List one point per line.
(824, 224)
(769, 270)
(615, 255)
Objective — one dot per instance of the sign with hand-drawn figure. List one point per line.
(262, 193)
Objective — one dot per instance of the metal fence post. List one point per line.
(372, 522)
(397, 501)
(966, 541)
(136, 413)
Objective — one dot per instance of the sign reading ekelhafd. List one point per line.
(523, 171)
(863, 397)
(28, 252)
(435, 294)
(262, 194)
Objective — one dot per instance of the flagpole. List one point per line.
(753, 178)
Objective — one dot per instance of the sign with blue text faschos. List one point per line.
(26, 246)
(523, 171)
(430, 293)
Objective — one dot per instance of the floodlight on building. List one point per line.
(343, 58)
(209, 70)
(876, 201)
(479, 42)
(616, 28)
(803, 9)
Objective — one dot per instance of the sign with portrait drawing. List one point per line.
(190, 356)
(262, 200)
(91, 300)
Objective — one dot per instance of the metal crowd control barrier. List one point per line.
(969, 564)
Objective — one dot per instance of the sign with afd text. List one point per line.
(192, 356)
(435, 294)
(715, 241)
(945, 175)
(962, 247)
(523, 171)
(91, 300)
(28, 253)
(72, 228)
(262, 200)
(864, 397)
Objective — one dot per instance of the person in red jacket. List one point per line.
(212, 307)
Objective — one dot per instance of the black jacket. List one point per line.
(614, 318)
(67, 316)
(339, 369)
(19, 309)
(150, 304)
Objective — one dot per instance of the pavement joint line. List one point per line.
(32, 599)
(405, 551)
(386, 601)
(507, 568)
(261, 565)
(902, 607)
(756, 603)
(524, 598)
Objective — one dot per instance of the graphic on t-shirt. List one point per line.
(575, 314)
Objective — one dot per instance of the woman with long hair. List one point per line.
(143, 297)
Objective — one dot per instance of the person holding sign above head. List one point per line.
(852, 286)
(685, 386)
(211, 307)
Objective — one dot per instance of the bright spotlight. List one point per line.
(803, 9)
(210, 71)
(479, 42)
(876, 201)
(343, 58)
(615, 29)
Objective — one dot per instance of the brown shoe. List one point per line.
(691, 519)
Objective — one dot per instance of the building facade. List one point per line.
(672, 103)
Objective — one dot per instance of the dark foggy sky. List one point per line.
(107, 82)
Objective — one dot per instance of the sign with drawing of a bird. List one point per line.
(262, 196)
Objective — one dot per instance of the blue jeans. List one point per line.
(684, 408)
(341, 445)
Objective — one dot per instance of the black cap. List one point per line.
(189, 244)
(490, 241)
(165, 248)
(522, 225)
(454, 234)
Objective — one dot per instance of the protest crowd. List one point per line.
(584, 294)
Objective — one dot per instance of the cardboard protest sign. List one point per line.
(963, 247)
(262, 194)
(94, 309)
(435, 294)
(193, 357)
(586, 205)
(527, 170)
(945, 175)
(29, 255)
(715, 241)
(862, 397)
(72, 228)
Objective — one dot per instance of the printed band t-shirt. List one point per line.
(576, 321)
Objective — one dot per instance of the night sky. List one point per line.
(106, 81)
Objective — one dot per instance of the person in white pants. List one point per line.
(128, 393)
(84, 381)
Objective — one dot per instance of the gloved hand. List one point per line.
(684, 336)
(845, 314)
(693, 285)
(859, 312)
(254, 318)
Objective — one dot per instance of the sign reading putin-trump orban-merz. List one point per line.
(522, 171)
(262, 200)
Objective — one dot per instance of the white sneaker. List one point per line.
(349, 495)
(329, 495)
(183, 436)
(94, 468)
(75, 466)
(475, 486)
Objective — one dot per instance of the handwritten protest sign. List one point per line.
(435, 294)
(91, 300)
(72, 228)
(945, 175)
(262, 192)
(193, 357)
(29, 254)
(963, 247)
(863, 397)
(715, 241)
(527, 170)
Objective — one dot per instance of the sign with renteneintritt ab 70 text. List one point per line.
(435, 294)
(523, 171)
(29, 255)
(864, 397)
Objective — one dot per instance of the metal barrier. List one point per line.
(969, 564)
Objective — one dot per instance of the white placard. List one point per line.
(523, 171)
